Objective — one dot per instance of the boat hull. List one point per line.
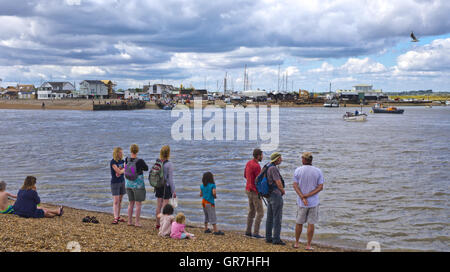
(378, 110)
(357, 118)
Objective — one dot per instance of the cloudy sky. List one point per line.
(195, 42)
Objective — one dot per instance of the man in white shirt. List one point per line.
(308, 182)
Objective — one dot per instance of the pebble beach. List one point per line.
(58, 234)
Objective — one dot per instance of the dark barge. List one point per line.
(133, 105)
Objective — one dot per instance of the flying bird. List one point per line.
(413, 37)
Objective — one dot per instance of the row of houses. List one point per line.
(87, 89)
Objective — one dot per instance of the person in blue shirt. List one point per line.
(117, 183)
(28, 200)
(208, 194)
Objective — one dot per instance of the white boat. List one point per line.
(428, 106)
(331, 104)
(447, 102)
(352, 117)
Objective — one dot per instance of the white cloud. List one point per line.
(87, 70)
(352, 66)
(362, 66)
(428, 58)
(73, 2)
(324, 68)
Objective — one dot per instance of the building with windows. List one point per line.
(361, 92)
(93, 89)
(55, 90)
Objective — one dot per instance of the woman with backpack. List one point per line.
(167, 191)
(134, 183)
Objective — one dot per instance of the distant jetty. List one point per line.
(122, 105)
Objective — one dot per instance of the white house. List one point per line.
(131, 94)
(55, 90)
(93, 88)
(158, 90)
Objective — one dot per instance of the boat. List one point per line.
(355, 117)
(428, 106)
(165, 105)
(378, 108)
(331, 104)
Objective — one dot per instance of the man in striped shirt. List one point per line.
(308, 182)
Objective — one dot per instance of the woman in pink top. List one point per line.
(166, 218)
(177, 230)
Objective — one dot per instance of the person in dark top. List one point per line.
(275, 201)
(117, 183)
(28, 200)
(135, 187)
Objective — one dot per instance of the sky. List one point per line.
(197, 42)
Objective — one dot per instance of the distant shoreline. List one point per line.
(87, 105)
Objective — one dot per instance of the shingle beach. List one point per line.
(55, 234)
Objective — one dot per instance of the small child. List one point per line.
(177, 230)
(166, 218)
(208, 192)
(4, 207)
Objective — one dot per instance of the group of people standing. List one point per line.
(307, 182)
(135, 189)
(136, 192)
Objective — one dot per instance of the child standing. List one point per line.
(166, 219)
(4, 207)
(177, 230)
(208, 192)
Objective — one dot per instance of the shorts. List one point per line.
(39, 213)
(118, 189)
(8, 210)
(210, 213)
(135, 194)
(164, 194)
(307, 215)
(183, 236)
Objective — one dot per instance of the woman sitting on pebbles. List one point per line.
(28, 200)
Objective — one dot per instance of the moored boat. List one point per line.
(331, 104)
(378, 108)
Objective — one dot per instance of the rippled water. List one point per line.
(386, 180)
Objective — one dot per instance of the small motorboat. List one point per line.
(428, 107)
(378, 108)
(331, 104)
(355, 117)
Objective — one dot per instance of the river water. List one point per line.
(386, 180)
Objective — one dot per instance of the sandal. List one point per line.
(87, 219)
(116, 221)
(121, 219)
(94, 220)
(61, 211)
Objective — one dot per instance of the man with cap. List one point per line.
(308, 182)
(275, 201)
